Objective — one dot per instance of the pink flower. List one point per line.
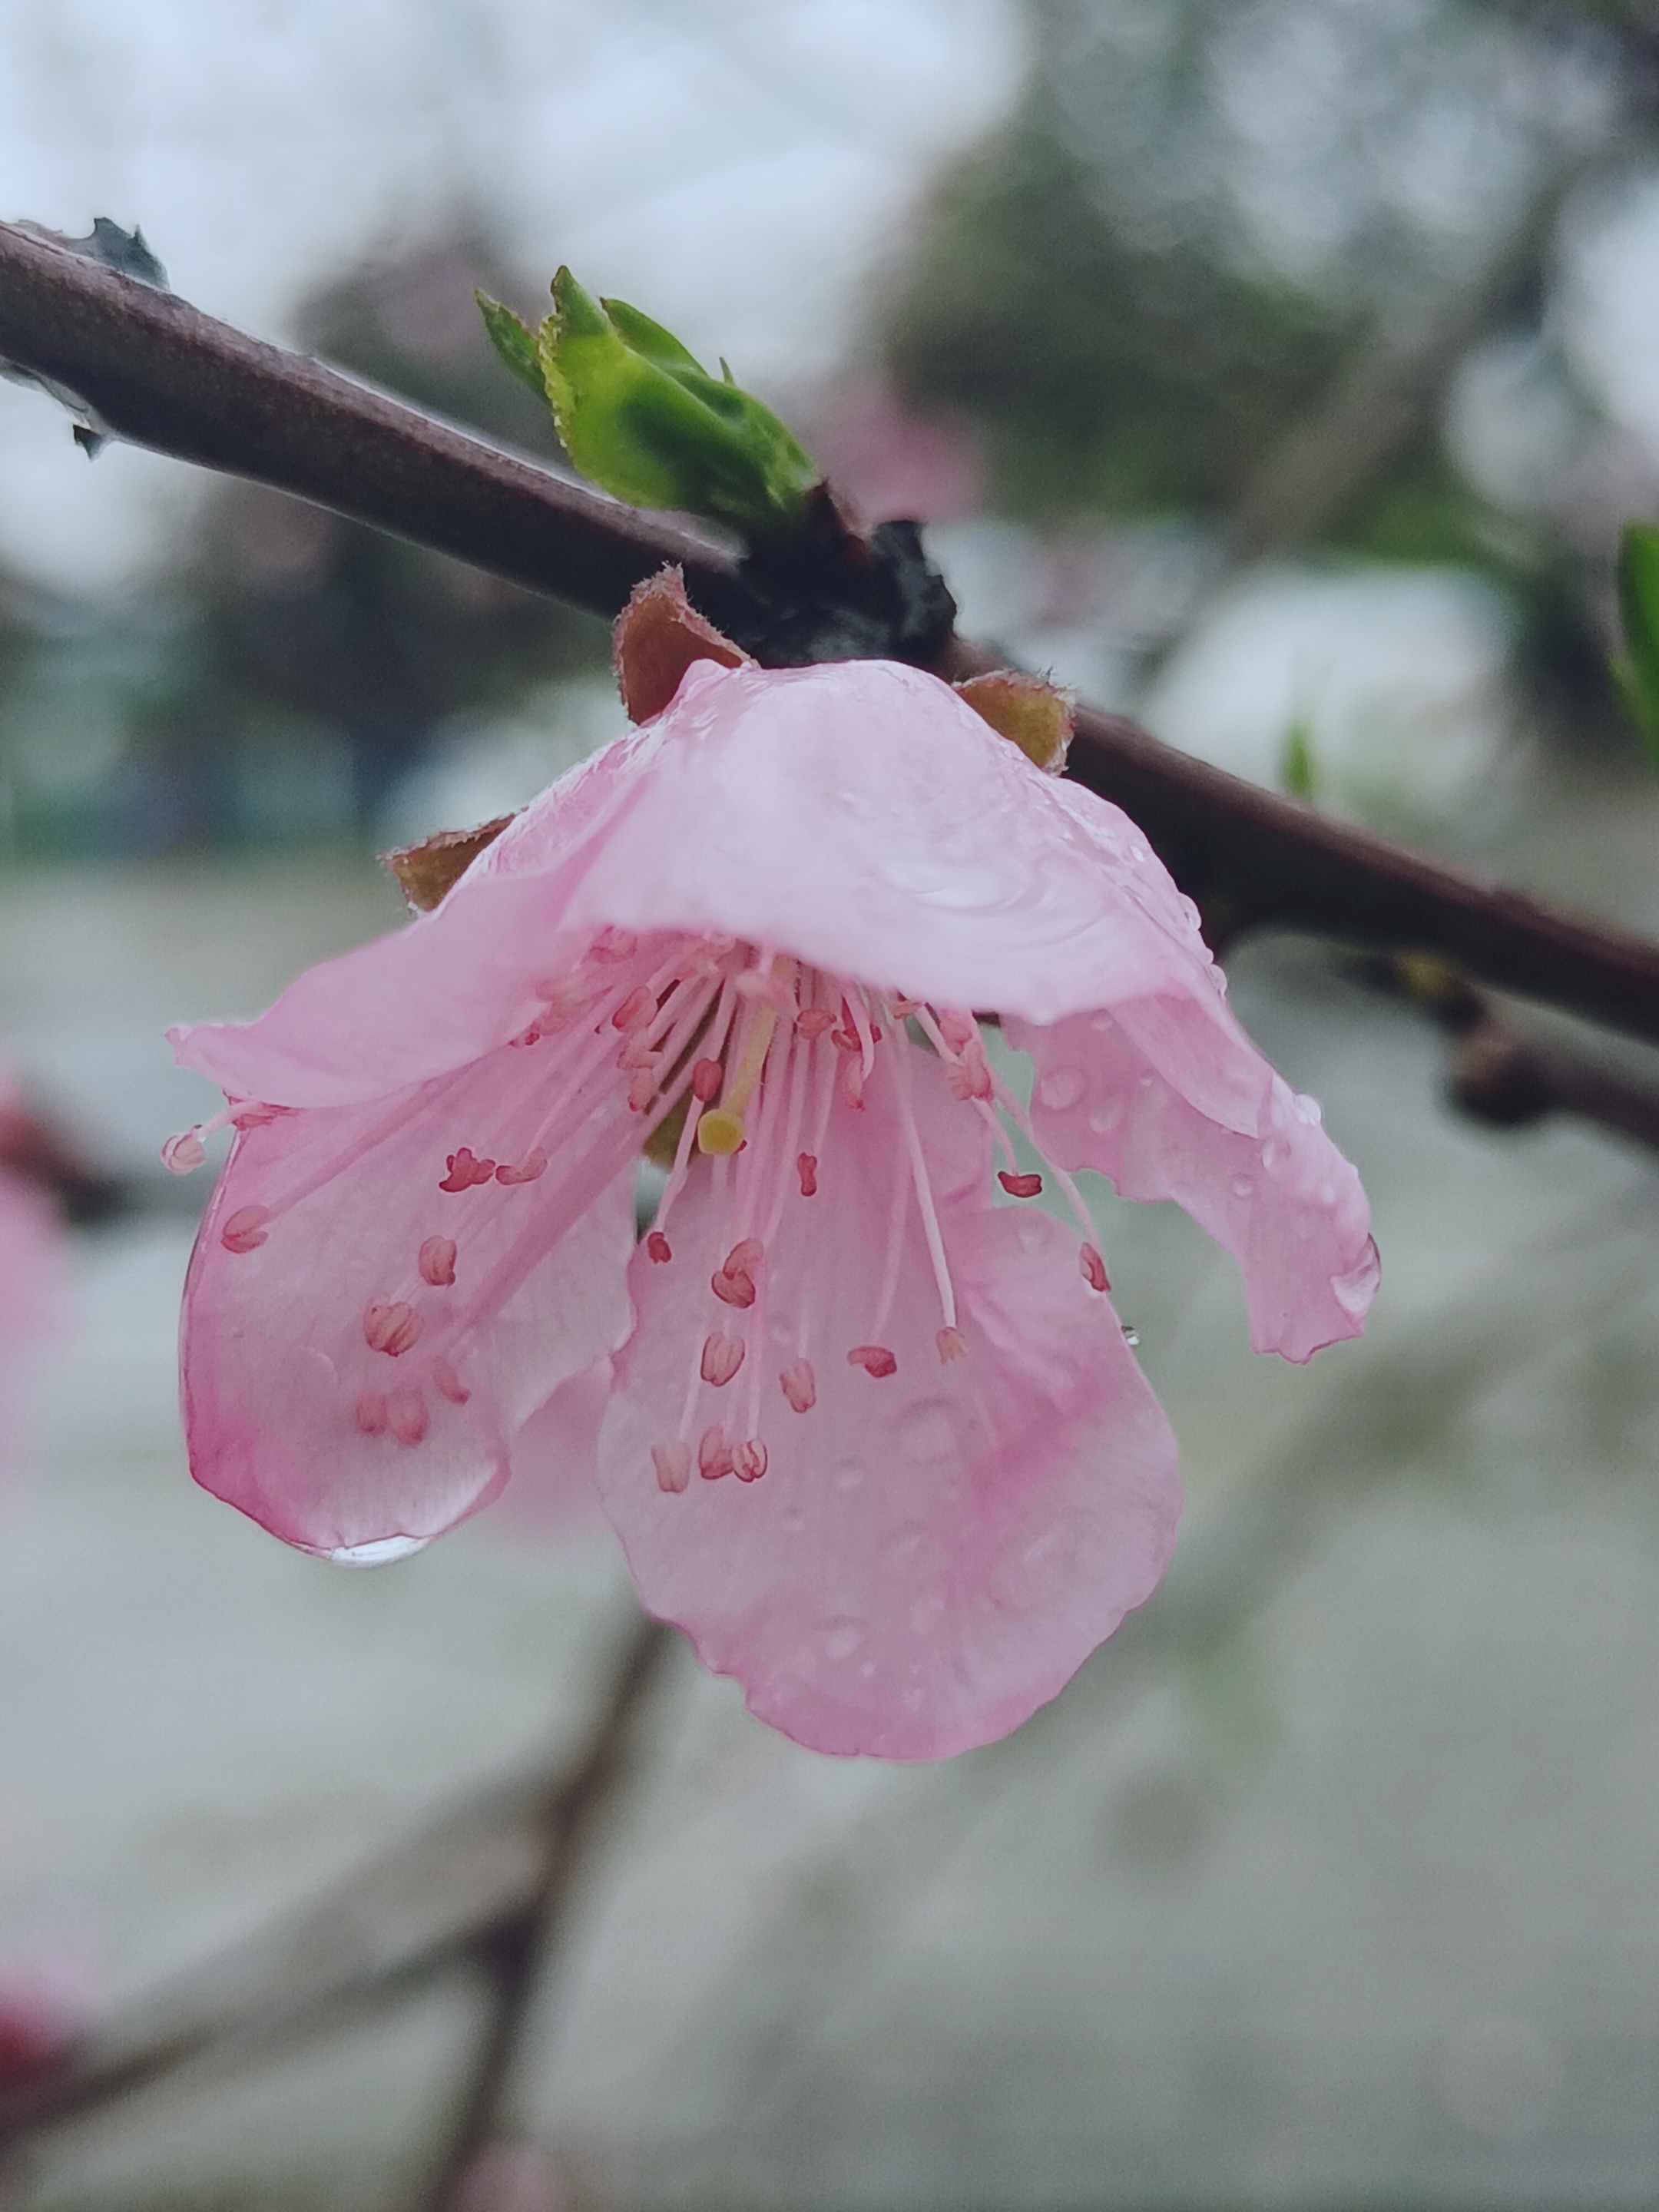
(874, 1437)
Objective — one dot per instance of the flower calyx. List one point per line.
(656, 636)
(1028, 710)
(427, 871)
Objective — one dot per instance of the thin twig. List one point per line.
(421, 1909)
(161, 374)
(524, 1945)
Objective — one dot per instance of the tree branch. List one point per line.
(158, 372)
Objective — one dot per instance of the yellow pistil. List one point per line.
(720, 1129)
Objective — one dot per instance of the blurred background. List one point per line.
(1279, 370)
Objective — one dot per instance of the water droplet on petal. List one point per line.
(1243, 1187)
(1307, 1110)
(926, 1431)
(842, 1638)
(1060, 1088)
(848, 1474)
(1355, 1291)
(382, 1552)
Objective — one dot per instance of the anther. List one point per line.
(466, 1170)
(732, 1290)
(852, 1081)
(1020, 1185)
(657, 1247)
(956, 1028)
(874, 1358)
(407, 1416)
(970, 1076)
(673, 1466)
(813, 1021)
(641, 1089)
(800, 1385)
(706, 1080)
(714, 1455)
(722, 1356)
(448, 1384)
(245, 1231)
(901, 1009)
(749, 1460)
(806, 1168)
(533, 1164)
(951, 1345)
(437, 1261)
(637, 1010)
(1093, 1269)
(391, 1328)
(372, 1412)
(183, 1152)
(639, 1051)
(613, 943)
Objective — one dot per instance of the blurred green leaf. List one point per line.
(1638, 674)
(641, 417)
(1298, 771)
(514, 341)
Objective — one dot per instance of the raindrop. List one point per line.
(848, 1474)
(1105, 1113)
(381, 1553)
(1060, 1088)
(927, 1431)
(1307, 1110)
(842, 1638)
(1130, 1336)
(1243, 1187)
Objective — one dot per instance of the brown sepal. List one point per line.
(425, 872)
(656, 636)
(1034, 713)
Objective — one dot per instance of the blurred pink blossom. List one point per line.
(871, 1432)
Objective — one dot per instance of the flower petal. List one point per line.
(934, 1546)
(341, 1388)
(553, 1491)
(860, 815)
(1169, 1099)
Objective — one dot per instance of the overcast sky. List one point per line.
(738, 167)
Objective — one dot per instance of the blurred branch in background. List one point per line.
(154, 369)
(486, 1887)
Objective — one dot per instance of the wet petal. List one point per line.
(1170, 1099)
(930, 1553)
(332, 1389)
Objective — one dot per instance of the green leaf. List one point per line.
(641, 416)
(514, 340)
(1298, 770)
(1638, 674)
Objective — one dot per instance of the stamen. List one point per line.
(952, 1344)
(924, 1189)
(673, 1466)
(437, 1261)
(719, 1130)
(722, 1356)
(658, 1248)
(800, 1385)
(372, 1412)
(407, 1415)
(1022, 1121)
(448, 1383)
(1020, 1186)
(807, 1167)
(245, 1230)
(392, 1327)
(1093, 1269)
(749, 1461)
(714, 1455)
(863, 1028)
(813, 1021)
(637, 1010)
(184, 1152)
(465, 1170)
(874, 1358)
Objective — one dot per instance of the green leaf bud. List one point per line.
(514, 340)
(640, 416)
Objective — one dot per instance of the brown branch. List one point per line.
(161, 374)
(426, 1906)
(524, 1944)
